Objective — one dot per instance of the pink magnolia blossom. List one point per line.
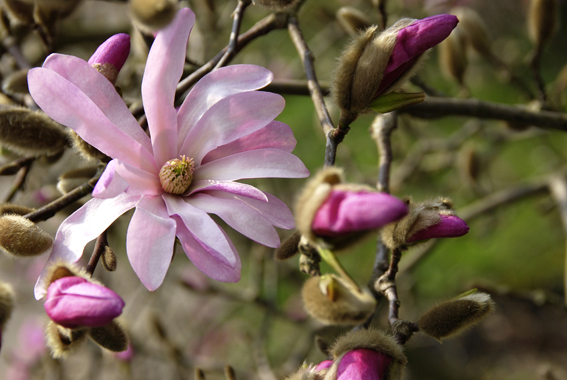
(224, 131)
(449, 226)
(75, 302)
(346, 211)
(113, 51)
(358, 364)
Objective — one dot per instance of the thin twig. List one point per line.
(381, 5)
(19, 181)
(558, 189)
(382, 128)
(52, 208)
(535, 65)
(233, 42)
(12, 47)
(15, 166)
(386, 284)
(100, 246)
(294, 87)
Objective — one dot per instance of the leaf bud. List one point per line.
(542, 21)
(6, 304)
(75, 178)
(30, 133)
(10, 208)
(86, 150)
(426, 220)
(453, 55)
(332, 300)
(108, 259)
(21, 237)
(152, 15)
(352, 20)
(16, 83)
(450, 318)
(276, 5)
(288, 248)
(110, 336)
(63, 341)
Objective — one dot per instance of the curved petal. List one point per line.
(204, 259)
(150, 239)
(239, 216)
(164, 68)
(110, 184)
(275, 135)
(100, 91)
(230, 118)
(274, 210)
(82, 226)
(67, 104)
(202, 227)
(230, 187)
(260, 163)
(215, 86)
(139, 181)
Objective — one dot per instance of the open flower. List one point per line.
(223, 131)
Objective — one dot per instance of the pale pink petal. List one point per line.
(67, 104)
(82, 226)
(215, 86)
(229, 187)
(139, 181)
(260, 163)
(202, 227)
(229, 119)
(239, 216)
(164, 68)
(150, 240)
(274, 210)
(100, 91)
(110, 184)
(205, 259)
(275, 135)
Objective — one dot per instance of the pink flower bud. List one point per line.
(412, 41)
(363, 364)
(75, 302)
(114, 50)
(347, 211)
(125, 356)
(450, 226)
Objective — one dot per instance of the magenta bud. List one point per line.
(125, 356)
(412, 41)
(346, 211)
(114, 50)
(75, 302)
(363, 364)
(450, 226)
(325, 364)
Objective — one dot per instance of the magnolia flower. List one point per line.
(363, 364)
(75, 302)
(223, 131)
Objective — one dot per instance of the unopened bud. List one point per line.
(277, 5)
(352, 20)
(332, 300)
(452, 317)
(10, 208)
(21, 237)
(30, 133)
(109, 259)
(426, 220)
(453, 55)
(86, 150)
(63, 341)
(72, 179)
(542, 21)
(110, 336)
(475, 29)
(152, 15)
(16, 83)
(288, 248)
(110, 56)
(125, 356)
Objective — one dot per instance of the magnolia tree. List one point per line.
(163, 150)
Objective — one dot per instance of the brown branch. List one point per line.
(19, 180)
(15, 166)
(535, 65)
(382, 129)
(433, 108)
(52, 208)
(233, 42)
(100, 246)
(294, 87)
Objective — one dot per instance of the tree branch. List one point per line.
(233, 42)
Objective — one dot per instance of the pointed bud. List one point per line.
(21, 237)
(276, 5)
(453, 55)
(426, 220)
(72, 179)
(63, 341)
(176, 175)
(352, 20)
(452, 317)
(378, 63)
(110, 336)
(30, 133)
(331, 300)
(109, 58)
(75, 302)
(109, 259)
(16, 83)
(542, 21)
(152, 15)
(288, 248)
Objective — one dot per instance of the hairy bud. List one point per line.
(542, 21)
(331, 300)
(21, 237)
(111, 336)
(109, 259)
(74, 178)
(452, 317)
(152, 15)
(30, 133)
(87, 151)
(453, 55)
(6, 303)
(288, 248)
(63, 341)
(352, 20)
(16, 83)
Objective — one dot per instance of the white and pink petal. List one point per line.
(228, 186)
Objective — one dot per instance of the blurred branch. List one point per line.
(100, 246)
(233, 42)
(294, 87)
(11, 46)
(15, 166)
(558, 189)
(19, 180)
(382, 128)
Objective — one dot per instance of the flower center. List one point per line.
(176, 175)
